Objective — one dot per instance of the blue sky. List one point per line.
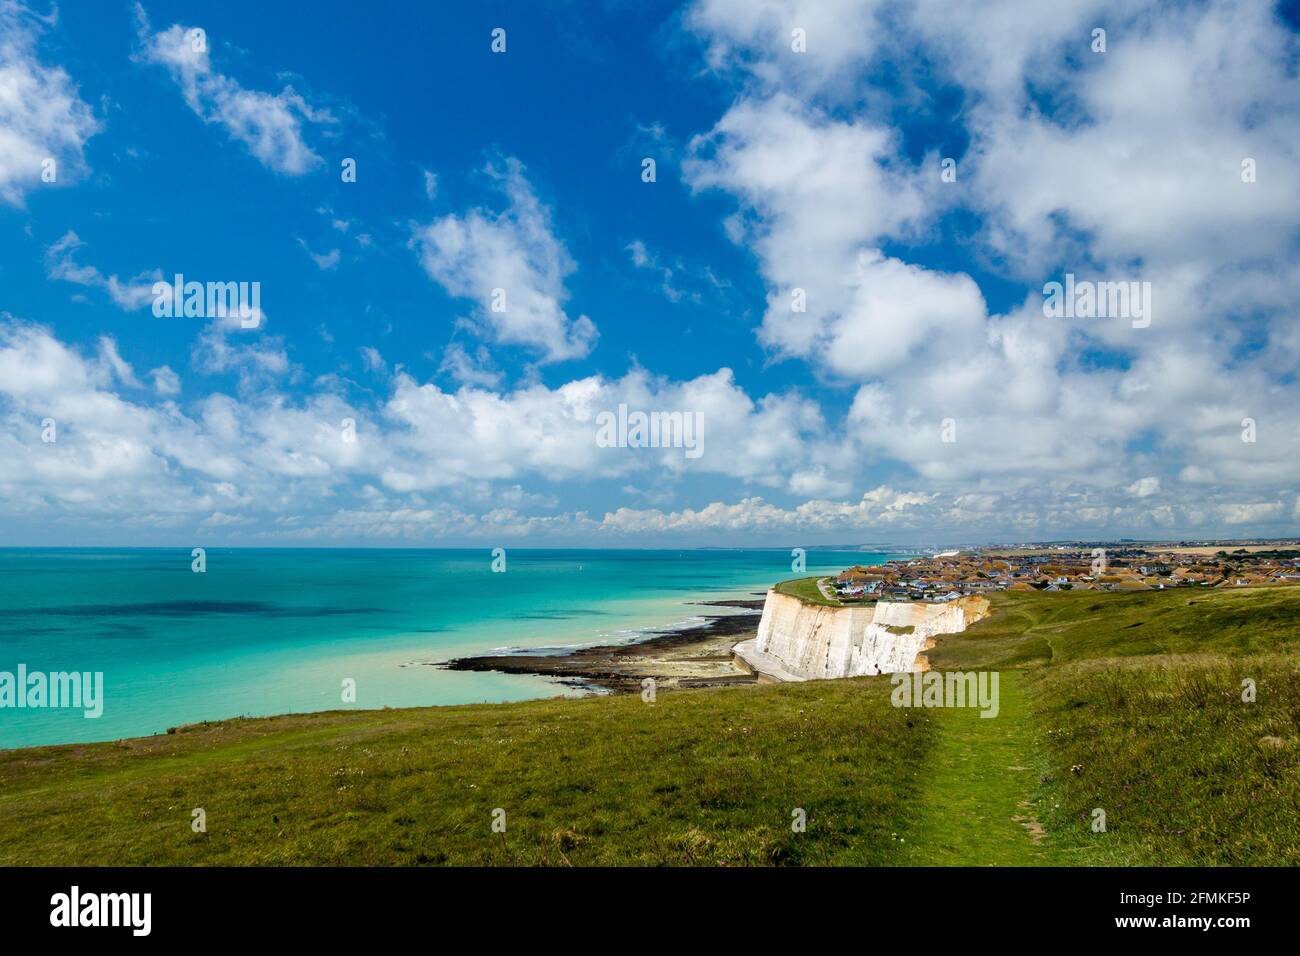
(187, 197)
(922, 396)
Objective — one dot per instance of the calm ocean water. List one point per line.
(277, 631)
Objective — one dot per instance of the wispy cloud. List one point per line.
(271, 125)
(129, 295)
(327, 260)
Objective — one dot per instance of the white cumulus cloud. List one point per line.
(512, 265)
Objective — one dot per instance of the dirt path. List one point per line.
(978, 788)
(826, 591)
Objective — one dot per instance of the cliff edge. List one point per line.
(802, 641)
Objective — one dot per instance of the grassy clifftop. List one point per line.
(1128, 703)
(806, 590)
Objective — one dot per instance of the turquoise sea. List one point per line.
(278, 631)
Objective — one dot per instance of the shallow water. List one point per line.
(277, 631)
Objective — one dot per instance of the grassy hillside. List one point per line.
(1137, 701)
(1186, 772)
(698, 777)
(1031, 629)
(1126, 702)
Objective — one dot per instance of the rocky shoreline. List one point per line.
(698, 656)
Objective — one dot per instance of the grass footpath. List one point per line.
(979, 793)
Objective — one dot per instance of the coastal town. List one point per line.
(954, 574)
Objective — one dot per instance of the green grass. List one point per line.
(805, 589)
(698, 777)
(1036, 629)
(1126, 702)
(1187, 773)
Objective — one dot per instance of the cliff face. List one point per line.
(815, 642)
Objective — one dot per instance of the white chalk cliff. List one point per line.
(802, 641)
